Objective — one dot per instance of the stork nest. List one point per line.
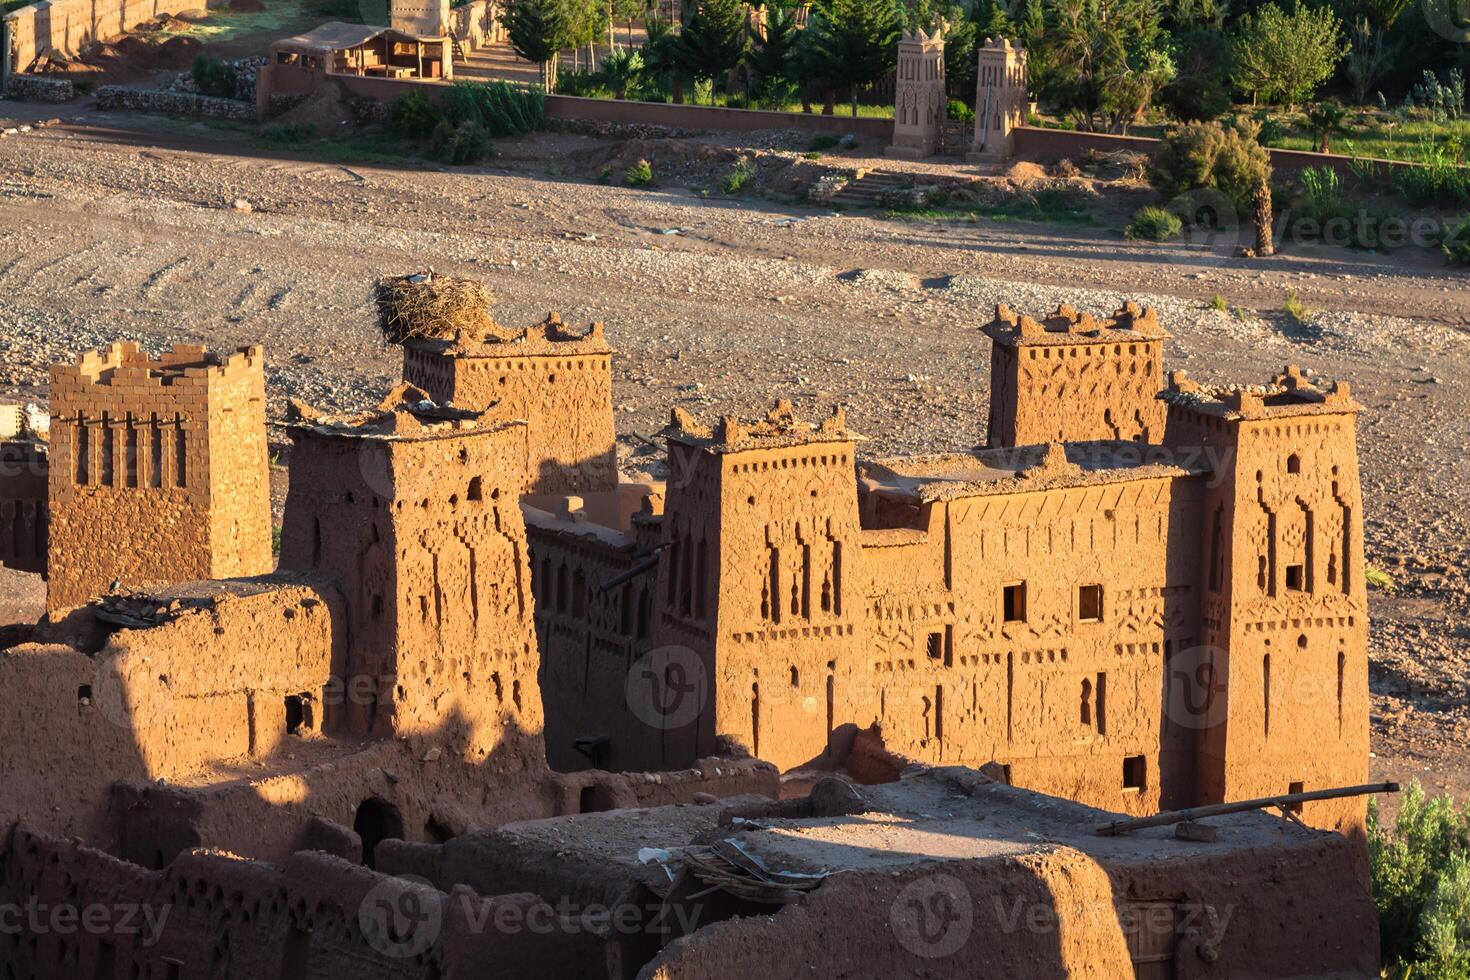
(432, 307)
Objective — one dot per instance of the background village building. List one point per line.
(1000, 100)
(920, 102)
(158, 472)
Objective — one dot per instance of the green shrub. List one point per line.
(414, 116)
(1206, 155)
(777, 93)
(500, 108)
(1154, 224)
(467, 143)
(960, 112)
(822, 141)
(213, 76)
(639, 174)
(590, 85)
(1435, 181)
(1456, 243)
(737, 178)
(1217, 302)
(1296, 309)
(1419, 885)
(288, 134)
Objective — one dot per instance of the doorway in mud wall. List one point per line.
(376, 821)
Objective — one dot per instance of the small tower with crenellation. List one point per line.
(1075, 378)
(158, 470)
(556, 379)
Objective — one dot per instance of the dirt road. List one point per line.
(722, 305)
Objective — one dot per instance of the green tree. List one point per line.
(1201, 89)
(852, 43)
(538, 29)
(771, 55)
(713, 41)
(1285, 57)
(1105, 59)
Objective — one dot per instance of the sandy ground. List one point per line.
(721, 305)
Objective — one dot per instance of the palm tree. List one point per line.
(622, 69)
(1325, 120)
(853, 42)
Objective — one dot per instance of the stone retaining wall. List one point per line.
(40, 88)
(173, 103)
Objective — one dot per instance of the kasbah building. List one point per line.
(548, 712)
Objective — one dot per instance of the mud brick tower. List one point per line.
(919, 99)
(159, 470)
(1284, 603)
(763, 534)
(559, 381)
(1000, 100)
(415, 511)
(1074, 378)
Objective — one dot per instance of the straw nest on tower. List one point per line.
(432, 307)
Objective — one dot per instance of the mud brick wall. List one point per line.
(1072, 378)
(1058, 912)
(160, 470)
(65, 27)
(210, 914)
(23, 509)
(204, 687)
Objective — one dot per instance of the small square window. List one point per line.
(1089, 603)
(936, 646)
(1294, 577)
(1294, 788)
(1014, 602)
(1134, 772)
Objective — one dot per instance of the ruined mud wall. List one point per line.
(159, 470)
(204, 689)
(315, 915)
(1058, 912)
(23, 509)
